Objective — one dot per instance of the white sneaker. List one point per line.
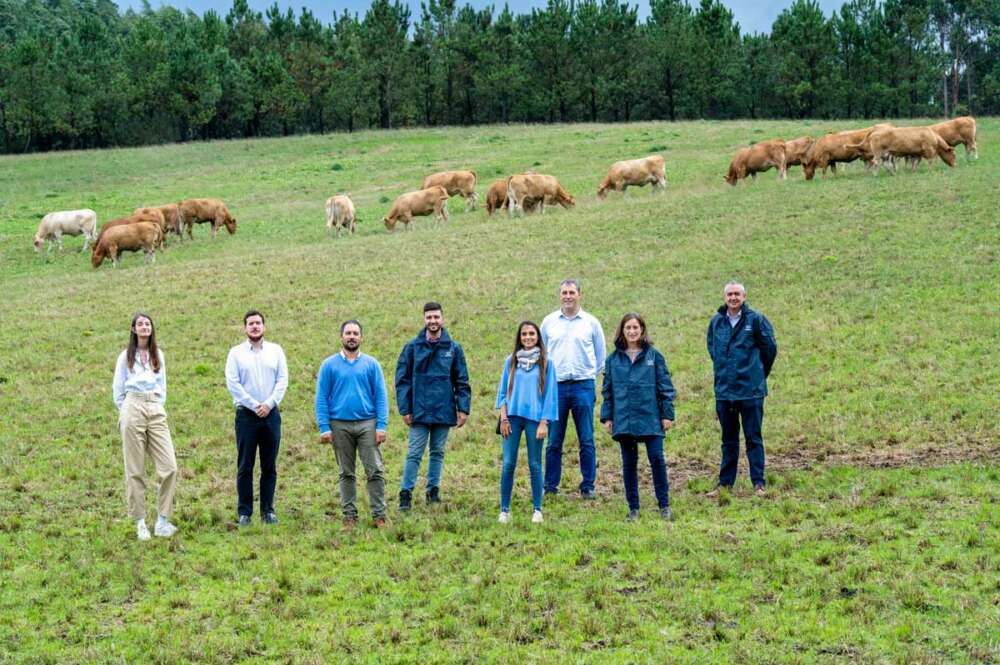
(141, 530)
(164, 529)
(536, 517)
(504, 518)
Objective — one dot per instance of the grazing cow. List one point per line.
(152, 215)
(757, 158)
(462, 183)
(418, 204)
(171, 217)
(913, 143)
(66, 222)
(526, 191)
(959, 130)
(146, 236)
(340, 213)
(196, 211)
(796, 149)
(635, 172)
(843, 147)
(496, 196)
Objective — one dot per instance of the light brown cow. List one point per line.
(462, 183)
(151, 215)
(66, 222)
(757, 158)
(146, 236)
(526, 191)
(843, 147)
(171, 217)
(796, 149)
(959, 130)
(196, 211)
(496, 196)
(635, 172)
(913, 143)
(419, 203)
(340, 214)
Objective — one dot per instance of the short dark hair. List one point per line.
(433, 306)
(349, 322)
(250, 313)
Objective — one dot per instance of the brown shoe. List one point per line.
(350, 523)
(380, 523)
(759, 490)
(714, 492)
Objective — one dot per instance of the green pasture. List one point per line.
(878, 542)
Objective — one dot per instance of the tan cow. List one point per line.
(757, 158)
(843, 147)
(462, 183)
(959, 130)
(151, 215)
(171, 217)
(913, 143)
(196, 211)
(340, 214)
(66, 222)
(496, 196)
(635, 172)
(526, 191)
(419, 203)
(796, 149)
(146, 236)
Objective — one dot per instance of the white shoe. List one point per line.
(536, 517)
(164, 529)
(504, 518)
(141, 530)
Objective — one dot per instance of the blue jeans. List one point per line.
(577, 397)
(419, 435)
(751, 413)
(511, 444)
(630, 469)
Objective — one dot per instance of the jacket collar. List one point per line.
(443, 339)
(744, 310)
(621, 346)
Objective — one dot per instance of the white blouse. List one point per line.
(140, 379)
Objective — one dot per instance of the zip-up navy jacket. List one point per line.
(637, 395)
(742, 355)
(432, 381)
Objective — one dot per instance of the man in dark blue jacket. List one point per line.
(741, 344)
(433, 395)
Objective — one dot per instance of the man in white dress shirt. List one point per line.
(256, 376)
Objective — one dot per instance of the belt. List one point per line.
(143, 397)
(575, 381)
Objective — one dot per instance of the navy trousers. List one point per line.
(751, 413)
(254, 434)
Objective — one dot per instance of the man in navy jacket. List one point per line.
(433, 395)
(742, 347)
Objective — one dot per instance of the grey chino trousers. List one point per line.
(353, 439)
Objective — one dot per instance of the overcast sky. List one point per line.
(752, 15)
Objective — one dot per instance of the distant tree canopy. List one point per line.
(80, 74)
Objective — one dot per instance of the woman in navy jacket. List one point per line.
(638, 408)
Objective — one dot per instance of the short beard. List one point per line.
(255, 340)
(350, 346)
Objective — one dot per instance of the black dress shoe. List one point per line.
(244, 520)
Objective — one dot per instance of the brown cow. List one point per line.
(525, 191)
(146, 236)
(959, 130)
(496, 196)
(635, 172)
(756, 159)
(196, 211)
(418, 204)
(462, 183)
(840, 147)
(796, 149)
(171, 217)
(913, 143)
(152, 215)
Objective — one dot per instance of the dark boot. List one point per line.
(433, 496)
(405, 499)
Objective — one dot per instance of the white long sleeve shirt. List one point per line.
(140, 379)
(256, 376)
(574, 345)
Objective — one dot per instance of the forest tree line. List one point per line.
(82, 74)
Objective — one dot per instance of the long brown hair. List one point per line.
(620, 342)
(133, 343)
(542, 358)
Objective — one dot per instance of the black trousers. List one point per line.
(254, 433)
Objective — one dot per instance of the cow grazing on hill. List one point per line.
(843, 147)
(340, 213)
(496, 196)
(635, 172)
(145, 236)
(912, 143)
(171, 217)
(66, 222)
(196, 211)
(150, 215)
(461, 183)
(757, 158)
(422, 202)
(796, 149)
(526, 191)
(959, 130)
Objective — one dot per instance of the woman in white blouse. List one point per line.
(140, 391)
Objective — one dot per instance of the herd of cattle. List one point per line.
(880, 145)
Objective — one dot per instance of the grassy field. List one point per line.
(878, 544)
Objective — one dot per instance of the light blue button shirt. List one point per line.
(140, 379)
(256, 376)
(575, 346)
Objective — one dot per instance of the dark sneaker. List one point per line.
(379, 523)
(759, 490)
(350, 522)
(552, 491)
(244, 520)
(665, 513)
(405, 500)
(589, 495)
(632, 516)
(270, 518)
(433, 495)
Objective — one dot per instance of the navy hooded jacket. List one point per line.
(742, 355)
(637, 395)
(432, 381)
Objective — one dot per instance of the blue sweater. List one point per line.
(351, 391)
(524, 401)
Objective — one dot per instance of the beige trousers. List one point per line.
(143, 424)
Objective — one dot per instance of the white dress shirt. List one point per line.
(574, 345)
(256, 376)
(140, 379)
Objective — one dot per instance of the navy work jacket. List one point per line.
(742, 355)
(432, 381)
(637, 395)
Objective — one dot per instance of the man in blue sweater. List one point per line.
(433, 395)
(352, 411)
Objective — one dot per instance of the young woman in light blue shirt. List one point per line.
(528, 399)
